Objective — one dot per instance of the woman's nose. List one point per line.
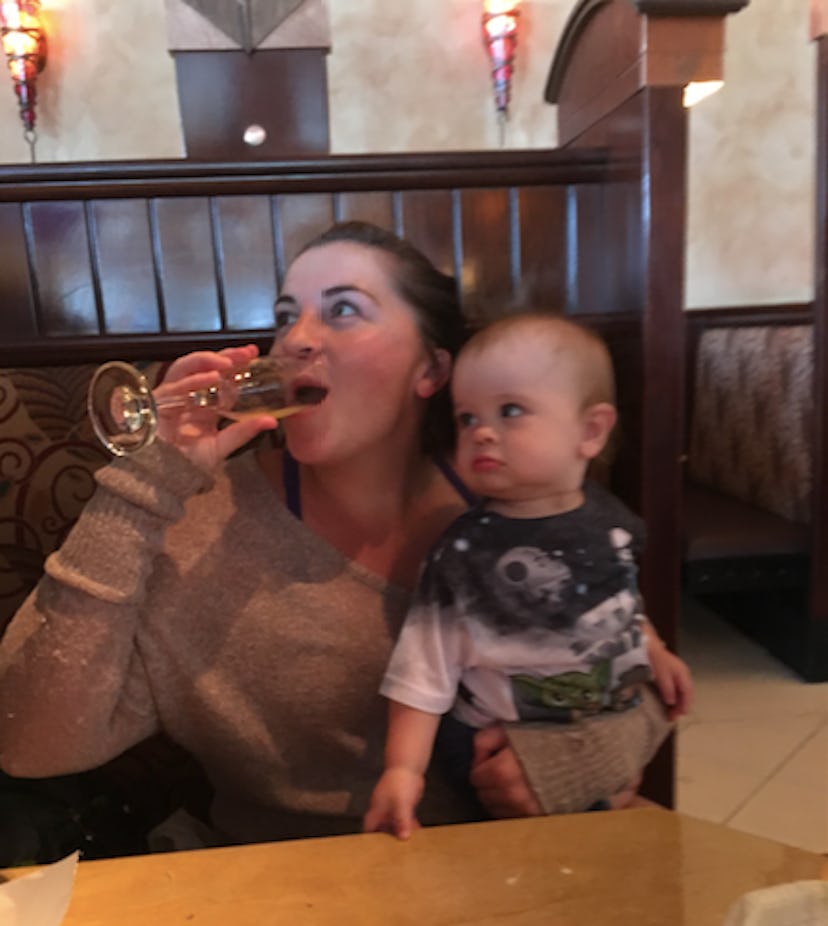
(304, 337)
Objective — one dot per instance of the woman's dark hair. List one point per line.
(434, 298)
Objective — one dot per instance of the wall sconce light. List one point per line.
(24, 42)
(500, 18)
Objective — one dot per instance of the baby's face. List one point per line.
(520, 423)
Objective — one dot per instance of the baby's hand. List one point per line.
(393, 803)
(672, 678)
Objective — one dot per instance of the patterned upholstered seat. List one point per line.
(748, 495)
(48, 453)
(753, 417)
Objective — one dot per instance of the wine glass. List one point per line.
(124, 411)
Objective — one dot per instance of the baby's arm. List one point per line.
(671, 674)
(408, 749)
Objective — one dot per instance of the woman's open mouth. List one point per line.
(307, 394)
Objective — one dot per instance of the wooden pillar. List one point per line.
(618, 80)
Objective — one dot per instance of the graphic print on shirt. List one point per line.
(552, 603)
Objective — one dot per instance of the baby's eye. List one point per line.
(465, 419)
(511, 410)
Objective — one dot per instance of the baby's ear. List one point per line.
(435, 373)
(598, 422)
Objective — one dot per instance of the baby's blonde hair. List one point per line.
(582, 351)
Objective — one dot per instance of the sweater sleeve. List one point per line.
(570, 767)
(73, 691)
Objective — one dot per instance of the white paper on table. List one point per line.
(39, 898)
(800, 903)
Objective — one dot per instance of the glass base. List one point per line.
(121, 408)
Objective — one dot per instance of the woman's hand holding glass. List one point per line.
(201, 389)
(195, 430)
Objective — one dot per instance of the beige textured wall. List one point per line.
(108, 91)
(414, 76)
(752, 164)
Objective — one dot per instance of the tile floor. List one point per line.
(753, 754)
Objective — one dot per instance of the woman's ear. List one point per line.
(435, 374)
(598, 422)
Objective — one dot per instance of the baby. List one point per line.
(528, 607)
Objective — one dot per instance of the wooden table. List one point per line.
(647, 867)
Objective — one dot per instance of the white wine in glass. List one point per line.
(124, 411)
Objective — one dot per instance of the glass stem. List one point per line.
(200, 398)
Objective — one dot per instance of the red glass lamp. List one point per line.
(500, 24)
(24, 43)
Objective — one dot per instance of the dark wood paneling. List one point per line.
(157, 259)
(623, 201)
(300, 218)
(427, 221)
(592, 281)
(245, 259)
(542, 277)
(221, 93)
(17, 318)
(61, 259)
(124, 255)
(186, 264)
(594, 69)
(366, 207)
(488, 252)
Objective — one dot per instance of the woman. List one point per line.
(248, 607)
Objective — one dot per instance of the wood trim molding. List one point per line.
(611, 49)
(335, 173)
(689, 7)
(739, 316)
(678, 51)
(568, 42)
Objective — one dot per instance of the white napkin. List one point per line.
(800, 903)
(39, 898)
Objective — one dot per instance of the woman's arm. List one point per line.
(72, 687)
(73, 691)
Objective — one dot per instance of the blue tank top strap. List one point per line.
(462, 489)
(290, 480)
(293, 499)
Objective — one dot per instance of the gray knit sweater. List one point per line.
(203, 608)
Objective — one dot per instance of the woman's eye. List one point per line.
(511, 410)
(342, 308)
(284, 319)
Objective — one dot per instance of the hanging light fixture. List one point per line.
(500, 19)
(24, 42)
